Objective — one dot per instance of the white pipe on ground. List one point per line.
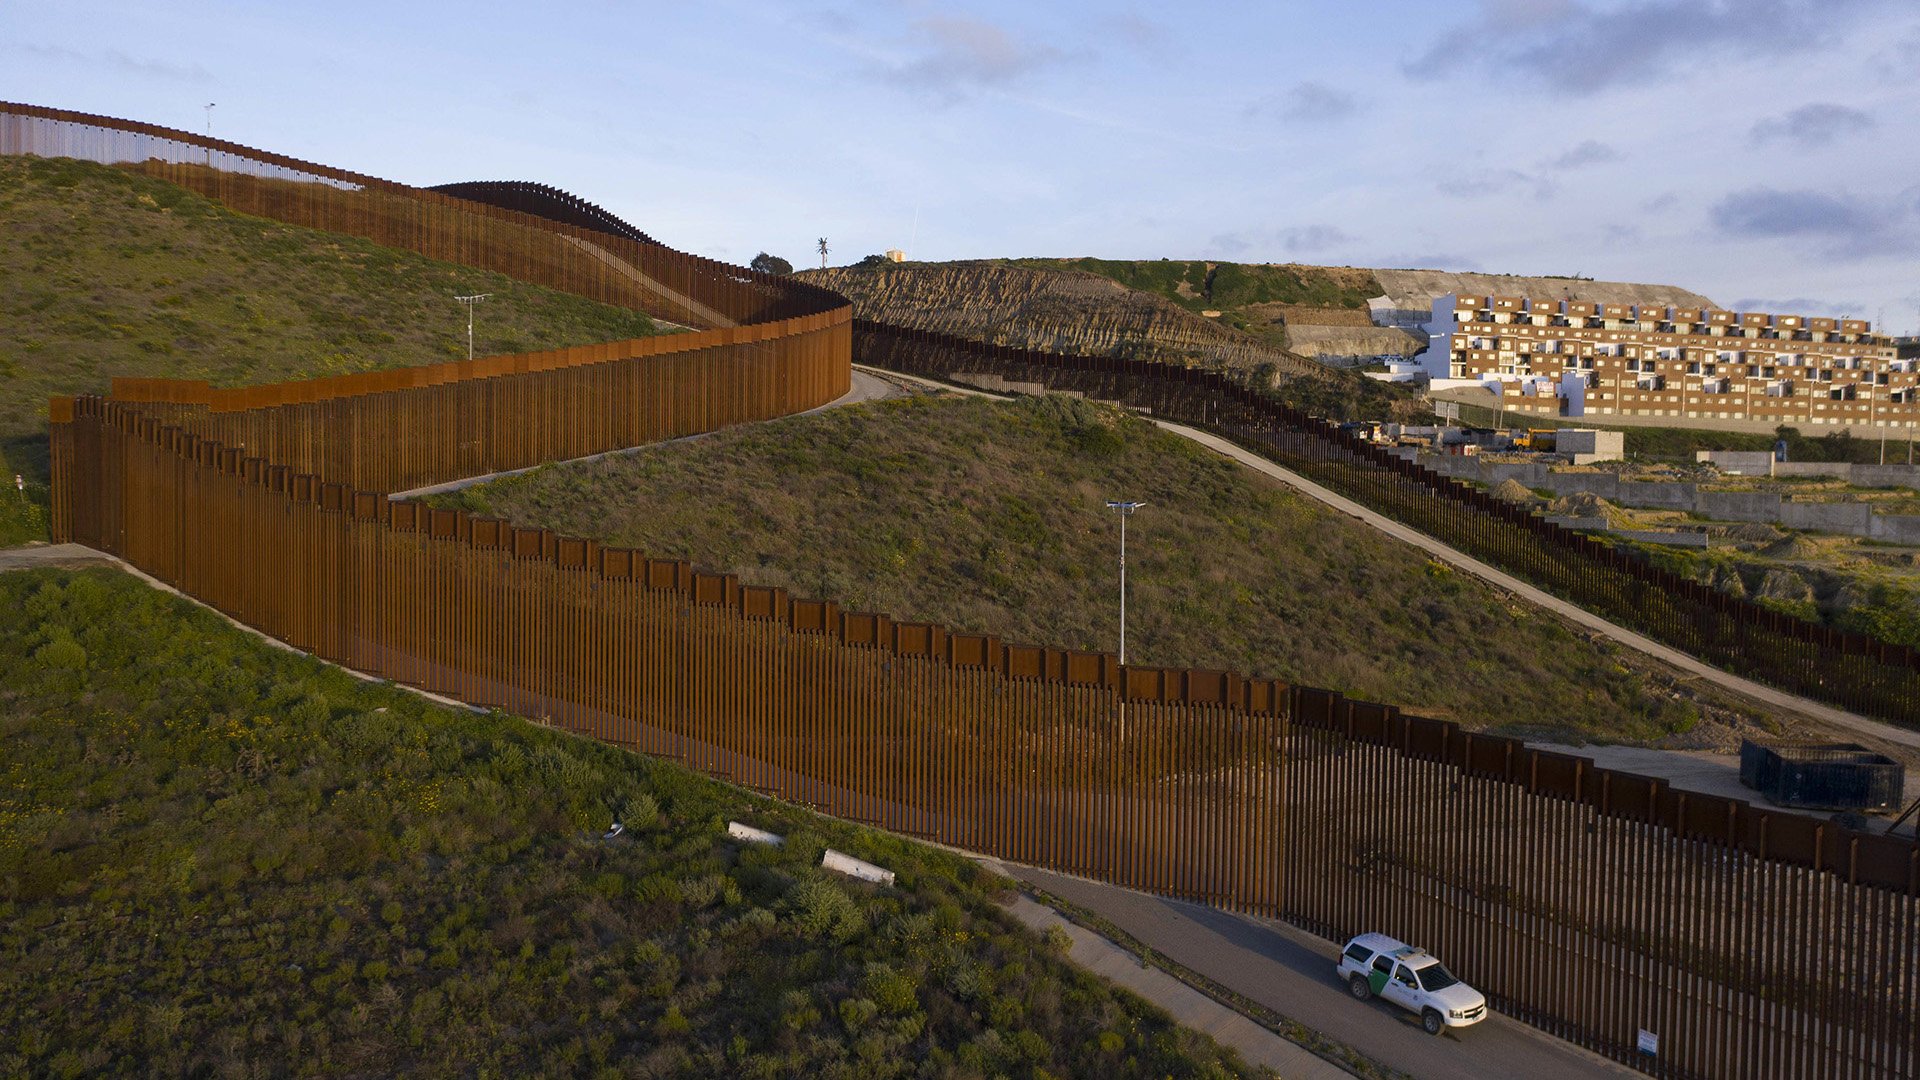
(852, 867)
(752, 835)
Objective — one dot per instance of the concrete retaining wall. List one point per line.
(1761, 463)
(1651, 536)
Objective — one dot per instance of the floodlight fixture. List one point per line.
(470, 301)
(1125, 509)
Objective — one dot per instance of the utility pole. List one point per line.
(1125, 510)
(470, 301)
(823, 253)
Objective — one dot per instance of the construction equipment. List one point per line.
(1540, 439)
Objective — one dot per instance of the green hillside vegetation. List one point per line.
(1841, 582)
(989, 517)
(221, 858)
(109, 272)
(1224, 285)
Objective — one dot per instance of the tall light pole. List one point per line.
(1126, 510)
(209, 108)
(470, 301)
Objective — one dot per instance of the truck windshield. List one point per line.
(1434, 977)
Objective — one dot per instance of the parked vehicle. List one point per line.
(1377, 965)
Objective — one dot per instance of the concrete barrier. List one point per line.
(752, 835)
(1895, 529)
(856, 868)
(1855, 518)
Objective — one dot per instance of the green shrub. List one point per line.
(138, 809)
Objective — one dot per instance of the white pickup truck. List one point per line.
(1377, 965)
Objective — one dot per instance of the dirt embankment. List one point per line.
(1059, 310)
(1295, 315)
(1414, 289)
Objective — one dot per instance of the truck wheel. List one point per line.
(1432, 1021)
(1358, 984)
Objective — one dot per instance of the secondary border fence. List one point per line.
(1593, 903)
(1852, 671)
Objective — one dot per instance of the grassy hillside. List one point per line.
(989, 517)
(218, 858)
(112, 273)
(1840, 582)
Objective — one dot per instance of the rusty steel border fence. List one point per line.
(1849, 670)
(1590, 902)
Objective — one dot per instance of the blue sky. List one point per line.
(1760, 151)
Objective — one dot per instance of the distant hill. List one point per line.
(1412, 289)
(1062, 307)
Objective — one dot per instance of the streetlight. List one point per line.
(209, 107)
(1126, 510)
(470, 301)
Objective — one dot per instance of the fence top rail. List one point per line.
(359, 384)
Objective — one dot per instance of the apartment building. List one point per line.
(1572, 358)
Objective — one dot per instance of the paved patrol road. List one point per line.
(1292, 973)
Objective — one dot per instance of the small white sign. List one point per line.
(1649, 1043)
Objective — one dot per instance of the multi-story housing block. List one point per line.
(1574, 358)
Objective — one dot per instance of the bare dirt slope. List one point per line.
(1412, 289)
(1055, 309)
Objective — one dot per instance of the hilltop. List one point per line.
(1312, 311)
(1416, 289)
(1062, 307)
(110, 272)
(988, 517)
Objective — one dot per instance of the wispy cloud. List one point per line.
(1590, 152)
(1138, 32)
(115, 60)
(1307, 102)
(1580, 47)
(1840, 226)
(1309, 238)
(952, 55)
(1486, 182)
(1233, 245)
(1295, 240)
(1812, 125)
(1800, 305)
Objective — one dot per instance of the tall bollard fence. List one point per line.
(1593, 903)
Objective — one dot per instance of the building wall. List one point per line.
(1681, 362)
